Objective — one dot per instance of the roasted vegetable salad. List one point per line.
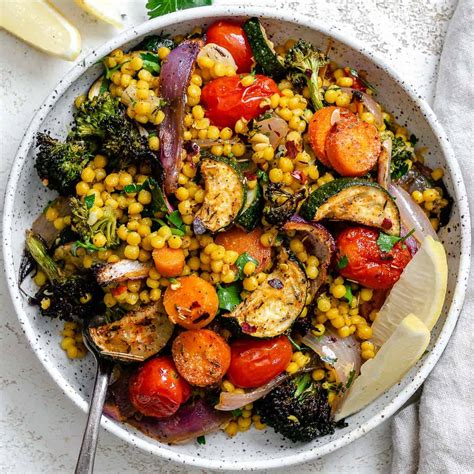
(236, 212)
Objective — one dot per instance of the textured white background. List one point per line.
(41, 430)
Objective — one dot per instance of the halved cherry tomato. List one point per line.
(367, 264)
(157, 389)
(255, 362)
(201, 356)
(226, 100)
(231, 36)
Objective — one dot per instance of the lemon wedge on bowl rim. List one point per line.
(394, 359)
(41, 25)
(421, 290)
(105, 10)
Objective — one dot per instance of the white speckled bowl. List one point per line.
(26, 197)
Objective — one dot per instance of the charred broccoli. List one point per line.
(102, 122)
(281, 204)
(298, 409)
(59, 165)
(304, 62)
(94, 225)
(63, 297)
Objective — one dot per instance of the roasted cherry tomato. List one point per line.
(255, 362)
(231, 36)
(227, 100)
(366, 263)
(157, 389)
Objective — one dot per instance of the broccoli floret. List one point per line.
(402, 154)
(102, 122)
(304, 60)
(63, 297)
(93, 114)
(298, 409)
(89, 222)
(281, 204)
(59, 165)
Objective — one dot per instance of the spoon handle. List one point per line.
(85, 462)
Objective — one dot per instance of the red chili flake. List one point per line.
(291, 149)
(300, 176)
(387, 223)
(119, 290)
(247, 328)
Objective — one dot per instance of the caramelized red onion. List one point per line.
(384, 162)
(411, 214)
(174, 79)
(319, 242)
(275, 128)
(369, 102)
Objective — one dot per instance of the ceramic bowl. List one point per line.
(26, 197)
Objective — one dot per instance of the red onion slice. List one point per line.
(275, 128)
(174, 79)
(369, 102)
(319, 242)
(384, 162)
(341, 353)
(411, 214)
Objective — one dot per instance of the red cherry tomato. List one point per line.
(231, 36)
(157, 389)
(227, 100)
(367, 264)
(255, 362)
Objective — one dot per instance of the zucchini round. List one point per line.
(272, 308)
(354, 200)
(263, 52)
(251, 213)
(225, 193)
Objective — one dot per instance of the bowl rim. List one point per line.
(163, 450)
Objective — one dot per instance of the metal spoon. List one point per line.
(85, 462)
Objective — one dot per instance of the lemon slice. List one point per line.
(421, 290)
(394, 359)
(41, 25)
(105, 10)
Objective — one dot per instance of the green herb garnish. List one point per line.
(229, 296)
(162, 7)
(387, 242)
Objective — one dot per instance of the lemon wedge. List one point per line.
(41, 25)
(105, 10)
(421, 290)
(394, 359)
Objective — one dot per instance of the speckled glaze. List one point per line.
(25, 198)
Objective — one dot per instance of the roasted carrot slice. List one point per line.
(191, 302)
(241, 241)
(353, 147)
(318, 130)
(201, 356)
(169, 262)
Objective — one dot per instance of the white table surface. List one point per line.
(41, 430)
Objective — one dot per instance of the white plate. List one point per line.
(26, 197)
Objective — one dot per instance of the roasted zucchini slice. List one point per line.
(251, 213)
(263, 51)
(139, 335)
(354, 200)
(225, 194)
(273, 307)
(122, 270)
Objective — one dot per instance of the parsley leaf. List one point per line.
(133, 188)
(342, 262)
(293, 343)
(201, 439)
(175, 219)
(242, 260)
(151, 63)
(158, 202)
(387, 242)
(237, 412)
(229, 296)
(89, 201)
(348, 296)
(162, 7)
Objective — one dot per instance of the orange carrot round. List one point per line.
(191, 302)
(241, 241)
(318, 130)
(202, 357)
(353, 147)
(169, 262)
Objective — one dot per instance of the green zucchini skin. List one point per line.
(225, 195)
(265, 57)
(251, 213)
(353, 200)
